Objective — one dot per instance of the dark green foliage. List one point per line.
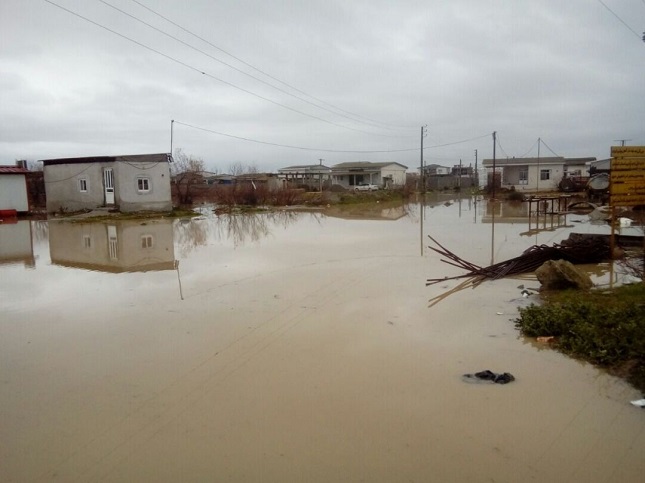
(608, 330)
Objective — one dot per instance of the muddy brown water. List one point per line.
(293, 347)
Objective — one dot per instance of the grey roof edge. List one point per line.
(130, 158)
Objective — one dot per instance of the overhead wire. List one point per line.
(137, 19)
(188, 66)
(620, 19)
(242, 138)
(263, 72)
(500, 147)
(552, 151)
(530, 149)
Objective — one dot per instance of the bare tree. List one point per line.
(186, 172)
(237, 168)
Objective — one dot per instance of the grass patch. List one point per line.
(351, 198)
(605, 328)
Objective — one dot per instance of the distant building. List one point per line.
(537, 174)
(461, 170)
(436, 170)
(600, 166)
(129, 183)
(384, 175)
(312, 175)
(13, 189)
(268, 180)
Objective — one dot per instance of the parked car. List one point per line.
(365, 187)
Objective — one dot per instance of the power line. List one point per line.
(531, 149)
(238, 70)
(261, 71)
(188, 66)
(241, 138)
(620, 19)
(552, 151)
(501, 148)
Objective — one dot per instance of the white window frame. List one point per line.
(523, 176)
(83, 185)
(545, 174)
(143, 184)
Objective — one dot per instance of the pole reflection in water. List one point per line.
(492, 204)
(421, 216)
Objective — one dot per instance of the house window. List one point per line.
(146, 241)
(545, 174)
(82, 185)
(524, 176)
(87, 241)
(143, 185)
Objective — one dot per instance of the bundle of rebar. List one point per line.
(590, 250)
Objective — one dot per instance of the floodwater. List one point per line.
(294, 347)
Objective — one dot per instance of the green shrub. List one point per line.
(608, 330)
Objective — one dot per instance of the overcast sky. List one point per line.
(351, 75)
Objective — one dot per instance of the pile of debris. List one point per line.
(576, 250)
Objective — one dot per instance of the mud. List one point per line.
(293, 347)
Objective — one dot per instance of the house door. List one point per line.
(108, 184)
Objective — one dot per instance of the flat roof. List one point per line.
(131, 158)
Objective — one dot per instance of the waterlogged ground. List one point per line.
(294, 347)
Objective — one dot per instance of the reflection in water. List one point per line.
(40, 230)
(238, 228)
(374, 211)
(520, 212)
(120, 246)
(16, 243)
(492, 204)
(190, 234)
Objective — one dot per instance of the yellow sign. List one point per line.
(627, 186)
(627, 151)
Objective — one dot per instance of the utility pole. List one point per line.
(424, 133)
(460, 182)
(494, 163)
(476, 172)
(320, 175)
(539, 175)
(172, 122)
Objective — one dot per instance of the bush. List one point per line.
(608, 330)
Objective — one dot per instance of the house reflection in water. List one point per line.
(16, 243)
(385, 211)
(519, 212)
(118, 246)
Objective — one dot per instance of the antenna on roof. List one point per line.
(621, 141)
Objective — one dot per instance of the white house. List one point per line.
(13, 189)
(129, 183)
(436, 170)
(385, 175)
(537, 174)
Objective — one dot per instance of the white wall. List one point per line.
(13, 192)
(62, 186)
(397, 172)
